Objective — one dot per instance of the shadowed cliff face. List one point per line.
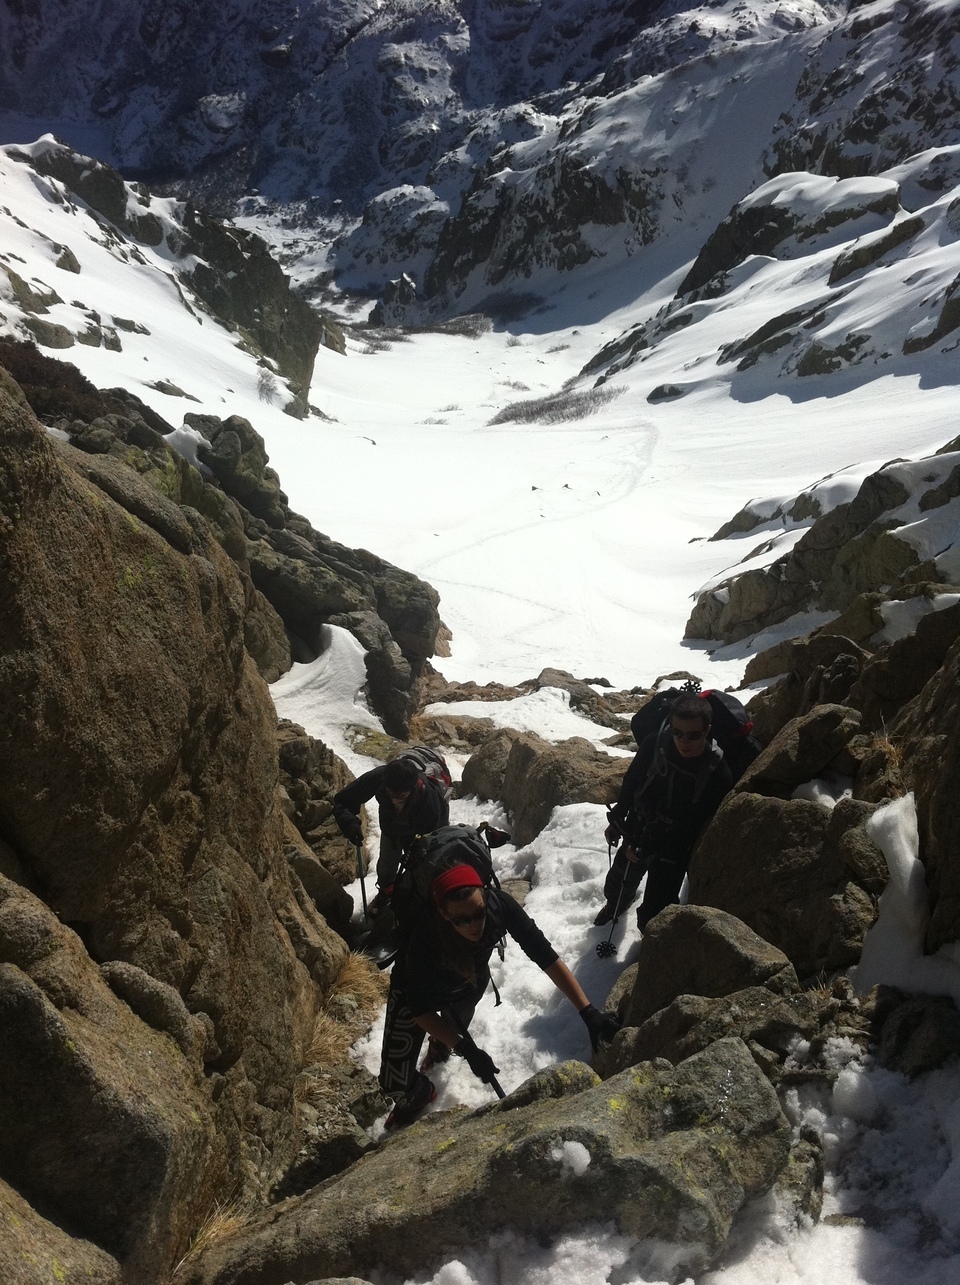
(138, 800)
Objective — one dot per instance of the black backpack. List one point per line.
(431, 855)
(431, 764)
(732, 725)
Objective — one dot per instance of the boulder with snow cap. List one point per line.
(897, 534)
(668, 1154)
(540, 776)
(898, 672)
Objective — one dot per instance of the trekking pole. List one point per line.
(362, 874)
(471, 1043)
(606, 949)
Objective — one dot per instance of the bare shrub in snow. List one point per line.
(471, 325)
(268, 389)
(558, 408)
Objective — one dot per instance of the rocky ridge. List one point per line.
(227, 272)
(889, 550)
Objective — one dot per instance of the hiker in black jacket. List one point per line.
(411, 803)
(670, 791)
(440, 975)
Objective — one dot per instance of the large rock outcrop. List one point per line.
(875, 542)
(139, 797)
(295, 579)
(105, 1121)
(533, 776)
(669, 1154)
(802, 876)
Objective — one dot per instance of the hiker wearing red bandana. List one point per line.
(440, 976)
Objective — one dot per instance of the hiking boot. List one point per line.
(436, 1052)
(604, 916)
(407, 1108)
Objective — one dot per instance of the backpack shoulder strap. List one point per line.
(707, 771)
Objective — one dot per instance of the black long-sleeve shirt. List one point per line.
(665, 800)
(427, 984)
(425, 811)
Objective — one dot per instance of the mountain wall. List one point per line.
(162, 967)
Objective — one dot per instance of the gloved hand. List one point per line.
(612, 833)
(351, 829)
(479, 1062)
(380, 902)
(601, 1027)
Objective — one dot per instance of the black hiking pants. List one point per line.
(403, 1039)
(665, 875)
(623, 879)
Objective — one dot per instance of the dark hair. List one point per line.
(691, 707)
(459, 894)
(400, 775)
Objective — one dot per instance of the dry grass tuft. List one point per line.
(354, 1001)
(890, 749)
(226, 1219)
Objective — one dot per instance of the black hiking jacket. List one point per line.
(428, 985)
(665, 801)
(425, 811)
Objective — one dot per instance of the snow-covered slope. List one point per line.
(681, 323)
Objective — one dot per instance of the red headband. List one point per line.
(451, 880)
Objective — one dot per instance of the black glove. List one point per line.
(351, 829)
(479, 1062)
(614, 830)
(601, 1027)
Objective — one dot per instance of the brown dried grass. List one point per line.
(361, 982)
(226, 1219)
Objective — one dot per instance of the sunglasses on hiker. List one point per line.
(467, 921)
(687, 736)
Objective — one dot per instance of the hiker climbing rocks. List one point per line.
(440, 975)
(412, 801)
(670, 791)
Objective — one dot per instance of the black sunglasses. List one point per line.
(687, 736)
(465, 921)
